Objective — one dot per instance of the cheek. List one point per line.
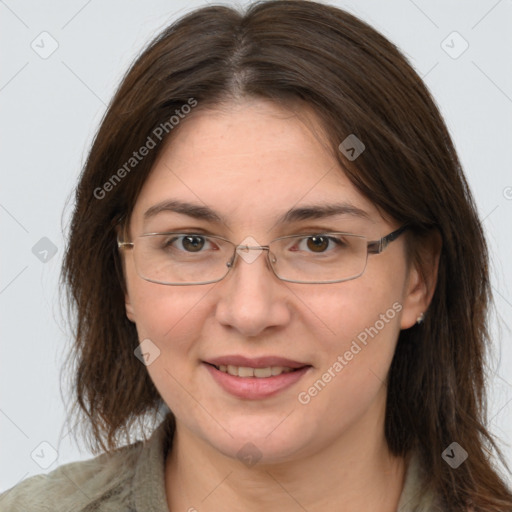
(158, 310)
(361, 324)
(172, 318)
(342, 312)
(165, 313)
(169, 316)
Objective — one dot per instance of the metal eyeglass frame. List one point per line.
(373, 247)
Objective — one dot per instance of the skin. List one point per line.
(251, 161)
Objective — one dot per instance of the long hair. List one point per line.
(357, 83)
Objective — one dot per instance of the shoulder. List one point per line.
(102, 483)
(128, 479)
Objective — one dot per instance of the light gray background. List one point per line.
(50, 109)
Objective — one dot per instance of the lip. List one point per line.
(255, 388)
(256, 362)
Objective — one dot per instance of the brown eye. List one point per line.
(193, 243)
(317, 243)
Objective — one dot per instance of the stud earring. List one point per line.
(420, 319)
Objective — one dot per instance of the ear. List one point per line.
(421, 280)
(128, 304)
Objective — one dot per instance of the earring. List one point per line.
(420, 319)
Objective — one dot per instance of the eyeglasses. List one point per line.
(181, 259)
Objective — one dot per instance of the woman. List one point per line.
(274, 244)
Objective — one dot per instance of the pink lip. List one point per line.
(256, 362)
(255, 388)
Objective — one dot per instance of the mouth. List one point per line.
(259, 373)
(257, 378)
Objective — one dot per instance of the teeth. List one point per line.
(245, 371)
(262, 372)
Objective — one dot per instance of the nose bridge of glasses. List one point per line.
(249, 253)
(247, 248)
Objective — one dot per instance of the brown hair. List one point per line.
(358, 83)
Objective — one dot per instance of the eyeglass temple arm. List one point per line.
(124, 244)
(377, 246)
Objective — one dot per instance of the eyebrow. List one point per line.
(321, 211)
(192, 210)
(308, 212)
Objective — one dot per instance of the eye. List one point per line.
(192, 243)
(189, 243)
(318, 243)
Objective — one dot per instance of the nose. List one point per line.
(251, 298)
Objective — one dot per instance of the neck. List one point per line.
(356, 470)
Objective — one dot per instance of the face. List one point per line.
(251, 163)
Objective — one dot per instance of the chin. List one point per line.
(268, 440)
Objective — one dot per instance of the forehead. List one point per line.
(251, 161)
